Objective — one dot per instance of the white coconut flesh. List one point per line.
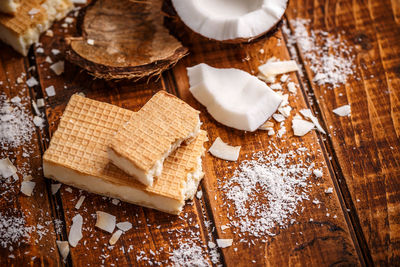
(232, 96)
(227, 20)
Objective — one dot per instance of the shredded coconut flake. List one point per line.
(328, 56)
(16, 125)
(187, 255)
(266, 190)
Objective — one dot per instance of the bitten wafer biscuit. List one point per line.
(32, 18)
(77, 156)
(154, 132)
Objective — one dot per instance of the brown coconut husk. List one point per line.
(130, 41)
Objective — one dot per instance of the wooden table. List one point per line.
(360, 154)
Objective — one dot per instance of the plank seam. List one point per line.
(338, 179)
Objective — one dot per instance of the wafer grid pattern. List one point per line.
(150, 133)
(80, 143)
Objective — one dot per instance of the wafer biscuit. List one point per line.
(77, 156)
(154, 132)
(31, 19)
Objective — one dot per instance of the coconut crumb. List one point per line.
(58, 67)
(114, 238)
(342, 111)
(63, 248)
(27, 188)
(224, 243)
(79, 203)
(124, 226)
(55, 188)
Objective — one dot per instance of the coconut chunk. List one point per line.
(301, 127)
(105, 221)
(124, 226)
(55, 188)
(224, 243)
(308, 114)
(224, 151)
(79, 203)
(278, 67)
(232, 96)
(7, 169)
(27, 187)
(75, 232)
(199, 194)
(342, 111)
(63, 248)
(58, 67)
(114, 238)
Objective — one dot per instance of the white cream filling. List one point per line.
(105, 188)
(147, 178)
(193, 180)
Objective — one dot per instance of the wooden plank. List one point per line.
(366, 144)
(19, 213)
(317, 238)
(155, 235)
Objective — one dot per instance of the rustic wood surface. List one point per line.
(360, 155)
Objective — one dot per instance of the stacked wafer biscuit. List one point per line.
(78, 152)
(27, 19)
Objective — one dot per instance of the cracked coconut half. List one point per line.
(124, 39)
(230, 20)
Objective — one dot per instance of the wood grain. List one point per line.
(323, 240)
(40, 248)
(366, 145)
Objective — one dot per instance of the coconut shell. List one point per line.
(129, 40)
